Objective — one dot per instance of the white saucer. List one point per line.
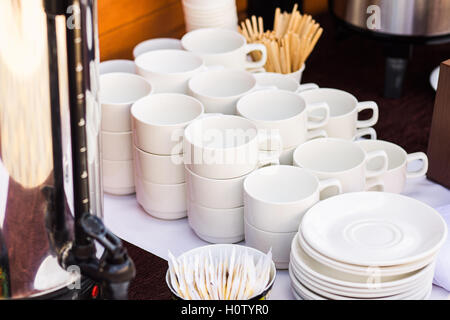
(374, 229)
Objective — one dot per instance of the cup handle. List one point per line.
(365, 132)
(306, 86)
(374, 183)
(373, 155)
(330, 183)
(268, 141)
(367, 105)
(256, 47)
(314, 134)
(318, 122)
(417, 156)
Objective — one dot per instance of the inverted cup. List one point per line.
(118, 92)
(159, 121)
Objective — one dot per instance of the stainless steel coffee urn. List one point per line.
(51, 198)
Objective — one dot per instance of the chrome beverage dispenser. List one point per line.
(51, 198)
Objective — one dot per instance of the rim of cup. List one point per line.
(204, 32)
(269, 94)
(292, 170)
(394, 146)
(322, 141)
(148, 62)
(127, 80)
(222, 118)
(193, 82)
(118, 65)
(145, 46)
(142, 105)
(348, 95)
(215, 180)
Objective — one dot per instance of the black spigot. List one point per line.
(114, 270)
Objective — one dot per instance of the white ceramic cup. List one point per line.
(285, 112)
(169, 70)
(395, 177)
(297, 75)
(341, 159)
(117, 65)
(215, 193)
(216, 225)
(277, 197)
(156, 44)
(163, 201)
(282, 82)
(226, 147)
(118, 177)
(159, 169)
(159, 121)
(279, 242)
(118, 91)
(220, 90)
(117, 146)
(344, 110)
(287, 155)
(223, 47)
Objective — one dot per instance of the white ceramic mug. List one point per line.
(285, 112)
(277, 197)
(282, 82)
(117, 146)
(341, 159)
(118, 91)
(279, 242)
(223, 47)
(215, 193)
(169, 70)
(395, 177)
(118, 177)
(226, 147)
(220, 90)
(159, 121)
(159, 169)
(156, 44)
(216, 225)
(163, 201)
(117, 65)
(344, 110)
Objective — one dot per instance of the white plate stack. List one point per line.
(210, 14)
(369, 245)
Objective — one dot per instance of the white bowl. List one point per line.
(117, 65)
(159, 169)
(279, 242)
(374, 229)
(118, 177)
(117, 146)
(217, 225)
(118, 92)
(163, 201)
(156, 44)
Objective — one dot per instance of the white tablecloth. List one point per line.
(129, 221)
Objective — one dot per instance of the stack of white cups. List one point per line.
(220, 152)
(158, 124)
(210, 14)
(118, 92)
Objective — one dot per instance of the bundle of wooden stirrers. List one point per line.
(289, 44)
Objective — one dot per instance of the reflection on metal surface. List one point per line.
(399, 17)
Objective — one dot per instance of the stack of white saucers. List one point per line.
(210, 14)
(370, 245)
